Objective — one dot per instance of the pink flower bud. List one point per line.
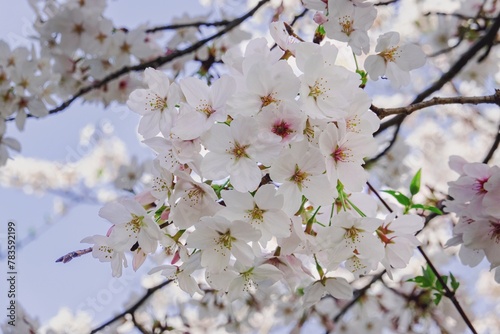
(320, 18)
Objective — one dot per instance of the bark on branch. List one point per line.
(489, 99)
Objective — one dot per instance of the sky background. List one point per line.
(44, 286)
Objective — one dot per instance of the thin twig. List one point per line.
(493, 148)
(486, 40)
(385, 3)
(71, 255)
(489, 99)
(133, 308)
(189, 25)
(448, 293)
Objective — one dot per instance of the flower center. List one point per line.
(390, 55)
(155, 102)
(478, 186)
(267, 100)
(257, 214)
(316, 90)
(239, 151)
(346, 25)
(495, 231)
(226, 239)
(298, 177)
(282, 129)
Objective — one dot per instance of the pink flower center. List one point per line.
(478, 186)
(282, 129)
(495, 231)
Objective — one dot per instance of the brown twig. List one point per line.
(133, 308)
(493, 148)
(487, 40)
(70, 256)
(489, 99)
(448, 293)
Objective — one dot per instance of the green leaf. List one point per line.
(437, 298)
(402, 199)
(428, 208)
(454, 283)
(415, 183)
(439, 286)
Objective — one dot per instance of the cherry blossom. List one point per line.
(218, 239)
(394, 61)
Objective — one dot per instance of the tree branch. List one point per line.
(448, 293)
(489, 99)
(196, 24)
(493, 148)
(487, 40)
(134, 307)
(157, 62)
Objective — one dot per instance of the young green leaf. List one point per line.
(415, 183)
(428, 208)
(454, 283)
(402, 199)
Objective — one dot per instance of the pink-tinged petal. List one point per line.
(338, 287)
(278, 223)
(215, 259)
(195, 91)
(237, 200)
(245, 175)
(352, 176)
(149, 125)
(137, 102)
(115, 213)
(218, 139)
(319, 190)
(190, 124)
(243, 252)
(214, 166)
(244, 231)
(221, 91)
(266, 198)
(457, 163)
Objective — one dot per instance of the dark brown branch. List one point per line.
(357, 295)
(388, 147)
(487, 40)
(70, 256)
(448, 293)
(489, 99)
(155, 63)
(493, 148)
(189, 25)
(385, 3)
(134, 307)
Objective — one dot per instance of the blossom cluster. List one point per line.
(258, 177)
(475, 197)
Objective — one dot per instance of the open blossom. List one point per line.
(156, 104)
(234, 151)
(131, 224)
(349, 21)
(394, 61)
(205, 106)
(344, 153)
(338, 287)
(105, 250)
(398, 237)
(262, 211)
(218, 239)
(300, 169)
